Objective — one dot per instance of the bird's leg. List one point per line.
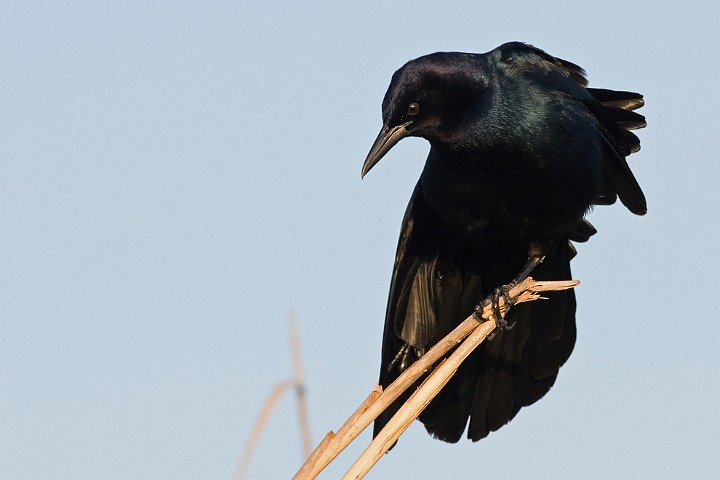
(535, 257)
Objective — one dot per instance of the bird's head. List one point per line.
(429, 97)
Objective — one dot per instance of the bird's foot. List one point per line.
(503, 291)
(500, 321)
(536, 255)
(405, 357)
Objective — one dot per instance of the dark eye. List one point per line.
(413, 108)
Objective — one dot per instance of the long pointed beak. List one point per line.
(386, 139)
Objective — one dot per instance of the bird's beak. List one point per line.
(387, 138)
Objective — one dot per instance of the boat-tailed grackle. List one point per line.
(520, 151)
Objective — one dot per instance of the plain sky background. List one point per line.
(175, 177)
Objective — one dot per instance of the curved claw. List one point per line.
(502, 324)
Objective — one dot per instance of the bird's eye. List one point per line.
(413, 108)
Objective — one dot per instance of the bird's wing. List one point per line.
(411, 295)
(613, 111)
(615, 115)
(431, 292)
(415, 260)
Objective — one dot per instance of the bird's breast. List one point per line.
(483, 199)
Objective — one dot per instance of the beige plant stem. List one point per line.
(267, 410)
(298, 384)
(332, 445)
(417, 402)
(300, 388)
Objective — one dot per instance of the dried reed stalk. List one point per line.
(379, 400)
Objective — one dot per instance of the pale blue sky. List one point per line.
(176, 176)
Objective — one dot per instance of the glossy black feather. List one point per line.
(520, 151)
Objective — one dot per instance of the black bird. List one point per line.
(520, 150)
